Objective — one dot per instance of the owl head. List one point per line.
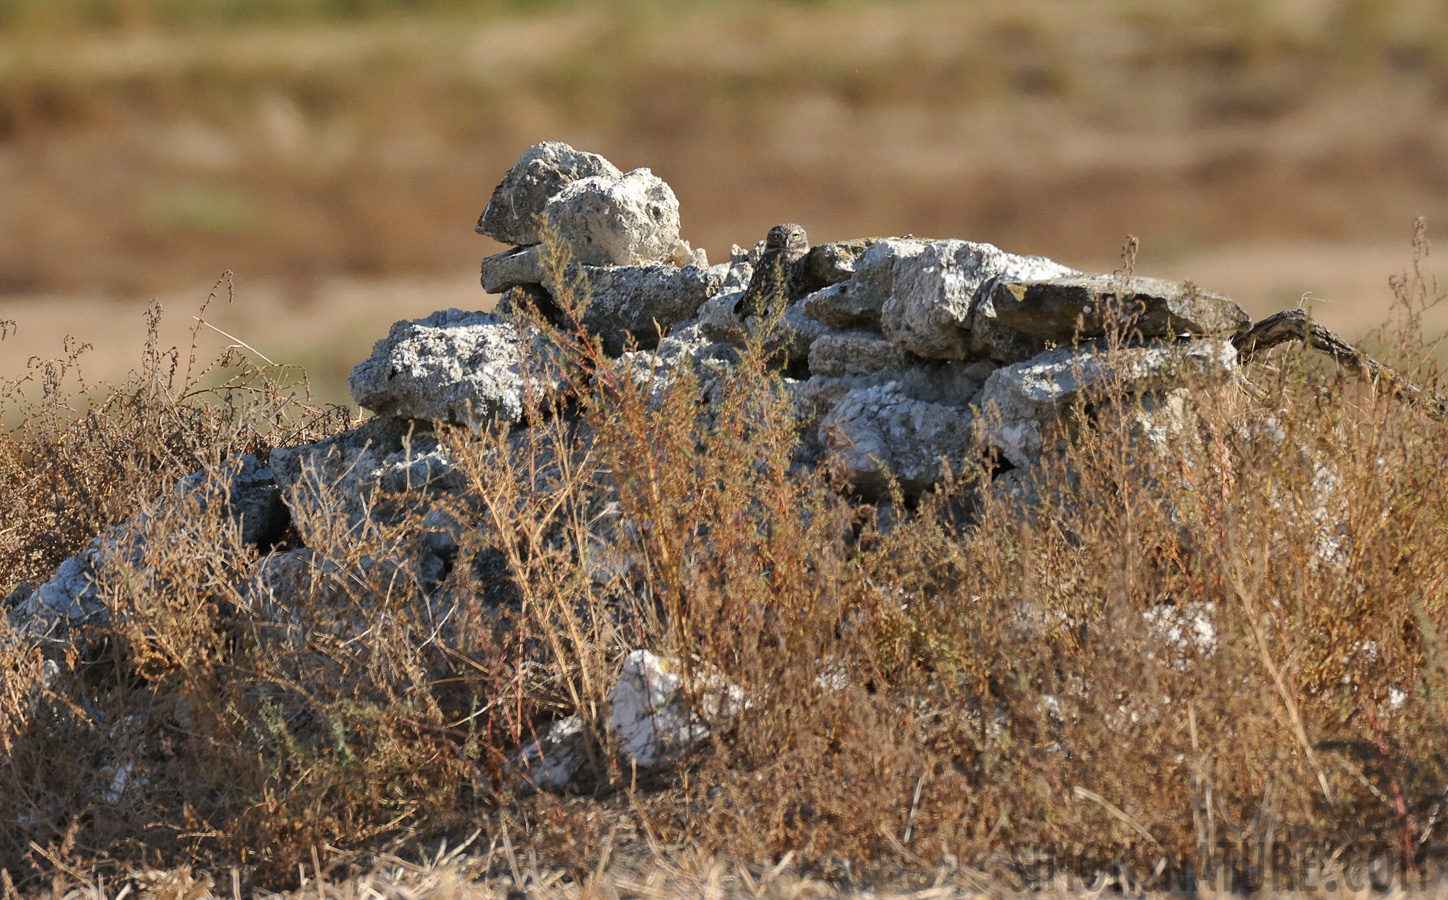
(789, 237)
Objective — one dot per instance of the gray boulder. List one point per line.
(248, 491)
(553, 759)
(465, 368)
(849, 304)
(833, 262)
(616, 221)
(836, 353)
(380, 471)
(542, 171)
(241, 489)
(72, 596)
(931, 297)
(637, 301)
(932, 288)
(655, 714)
(686, 346)
(878, 432)
(1021, 402)
(1061, 309)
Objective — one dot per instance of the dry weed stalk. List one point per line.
(1217, 633)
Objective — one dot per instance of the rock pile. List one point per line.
(900, 355)
(895, 349)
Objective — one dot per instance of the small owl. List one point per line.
(779, 276)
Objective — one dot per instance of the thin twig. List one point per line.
(233, 337)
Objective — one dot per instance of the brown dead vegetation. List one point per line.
(966, 686)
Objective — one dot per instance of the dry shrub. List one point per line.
(1212, 643)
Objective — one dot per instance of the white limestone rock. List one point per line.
(542, 171)
(878, 432)
(836, 353)
(464, 368)
(242, 489)
(1022, 401)
(512, 268)
(637, 301)
(650, 718)
(934, 287)
(932, 297)
(630, 220)
(1088, 306)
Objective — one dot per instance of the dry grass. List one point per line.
(1003, 697)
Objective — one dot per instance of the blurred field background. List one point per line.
(335, 154)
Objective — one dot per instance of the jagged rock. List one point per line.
(687, 345)
(877, 432)
(542, 171)
(615, 221)
(71, 597)
(847, 305)
(932, 288)
(947, 383)
(833, 262)
(522, 296)
(512, 268)
(929, 381)
(465, 368)
(248, 491)
(717, 320)
(797, 330)
(853, 353)
(929, 297)
(1062, 309)
(340, 452)
(650, 717)
(683, 255)
(637, 301)
(1022, 401)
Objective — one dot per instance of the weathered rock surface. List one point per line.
(512, 215)
(512, 268)
(465, 368)
(360, 475)
(931, 298)
(616, 221)
(247, 491)
(853, 353)
(834, 261)
(847, 305)
(650, 719)
(1082, 306)
(638, 301)
(934, 287)
(552, 760)
(1022, 401)
(72, 596)
(878, 432)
